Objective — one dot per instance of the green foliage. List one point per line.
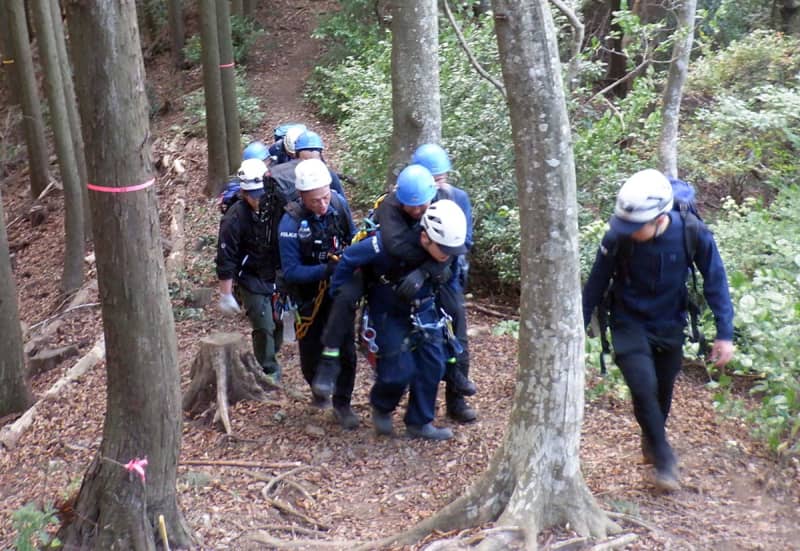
(244, 33)
(506, 327)
(352, 28)
(762, 254)
(250, 113)
(31, 524)
(730, 20)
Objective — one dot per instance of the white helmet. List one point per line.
(446, 225)
(291, 137)
(251, 174)
(641, 199)
(311, 174)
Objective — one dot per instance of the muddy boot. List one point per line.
(457, 381)
(666, 478)
(459, 410)
(346, 417)
(382, 422)
(429, 432)
(325, 377)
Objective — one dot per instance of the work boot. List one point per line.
(325, 377)
(321, 402)
(458, 382)
(346, 417)
(382, 422)
(429, 432)
(460, 411)
(648, 457)
(666, 478)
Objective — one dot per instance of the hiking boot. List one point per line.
(346, 417)
(458, 382)
(648, 457)
(429, 432)
(325, 377)
(382, 422)
(321, 402)
(460, 411)
(666, 479)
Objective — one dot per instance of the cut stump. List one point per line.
(225, 371)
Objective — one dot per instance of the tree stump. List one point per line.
(224, 371)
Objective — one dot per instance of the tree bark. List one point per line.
(249, 8)
(176, 31)
(10, 79)
(786, 16)
(115, 509)
(534, 481)
(228, 77)
(237, 8)
(416, 101)
(33, 123)
(15, 396)
(673, 91)
(218, 167)
(72, 276)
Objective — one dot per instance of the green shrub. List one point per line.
(249, 107)
(31, 524)
(244, 33)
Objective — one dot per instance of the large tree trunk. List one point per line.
(176, 31)
(14, 393)
(33, 123)
(10, 80)
(786, 16)
(72, 276)
(114, 508)
(218, 167)
(228, 77)
(673, 91)
(534, 480)
(416, 103)
(237, 8)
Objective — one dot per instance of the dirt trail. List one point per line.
(352, 485)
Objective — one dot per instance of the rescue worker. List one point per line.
(409, 331)
(247, 254)
(309, 145)
(645, 258)
(313, 233)
(282, 151)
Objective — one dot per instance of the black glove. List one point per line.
(411, 284)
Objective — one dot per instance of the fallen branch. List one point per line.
(63, 312)
(80, 298)
(616, 543)
(10, 434)
(176, 259)
(245, 464)
(577, 39)
(272, 483)
(293, 529)
(491, 312)
(286, 508)
(632, 520)
(266, 539)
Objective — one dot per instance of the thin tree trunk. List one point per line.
(416, 102)
(115, 509)
(228, 77)
(72, 276)
(218, 167)
(72, 114)
(176, 31)
(33, 123)
(673, 91)
(10, 79)
(786, 16)
(15, 396)
(237, 8)
(249, 8)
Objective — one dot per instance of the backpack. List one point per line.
(229, 195)
(683, 202)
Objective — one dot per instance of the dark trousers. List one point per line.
(407, 359)
(650, 364)
(310, 346)
(339, 327)
(267, 335)
(451, 299)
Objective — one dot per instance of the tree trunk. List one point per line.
(10, 79)
(416, 103)
(33, 123)
(72, 114)
(237, 8)
(228, 77)
(249, 8)
(72, 276)
(534, 480)
(618, 61)
(786, 16)
(176, 31)
(218, 167)
(225, 371)
(15, 396)
(673, 91)
(115, 509)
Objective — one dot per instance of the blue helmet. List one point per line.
(415, 186)
(280, 131)
(308, 140)
(255, 150)
(432, 157)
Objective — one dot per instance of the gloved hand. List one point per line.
(330, 266)
(439, 272)
(411, 284)
(228, 305)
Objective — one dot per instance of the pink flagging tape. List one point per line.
(227, 65)
(125, 189)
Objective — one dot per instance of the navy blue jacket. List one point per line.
(649, 284)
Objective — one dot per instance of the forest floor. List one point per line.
(342, 486)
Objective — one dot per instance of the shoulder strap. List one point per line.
(691, 237)
(296, 210)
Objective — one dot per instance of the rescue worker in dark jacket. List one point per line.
(313, 233)
(409, 331)
(451, 296)
(247, 253)
(282, 151)
(644, 256)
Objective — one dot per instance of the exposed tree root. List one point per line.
(245, 464)
(276, 543)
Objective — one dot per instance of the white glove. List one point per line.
(228, 305)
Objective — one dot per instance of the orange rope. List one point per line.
(304, 322)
